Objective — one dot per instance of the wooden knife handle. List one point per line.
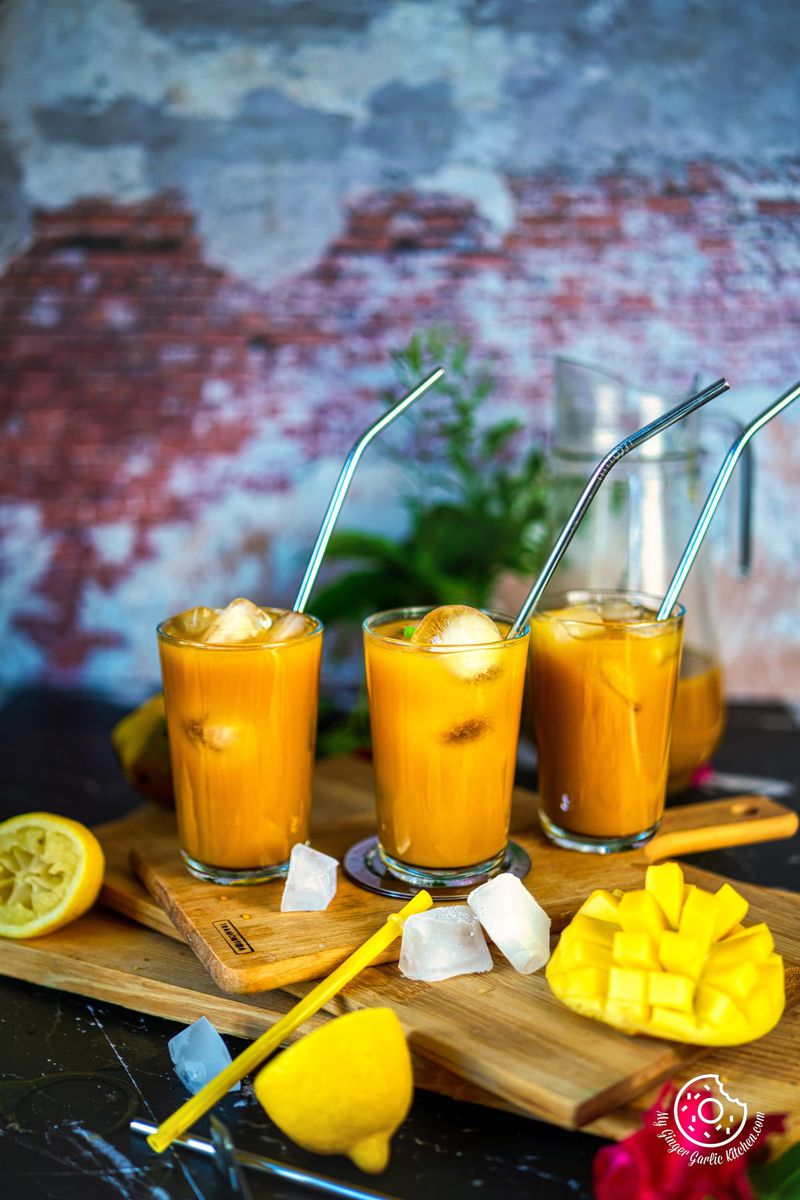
(714, 824)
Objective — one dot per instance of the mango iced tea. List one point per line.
(445, 725)
(604, 676)
(698, 718)
(241, 718)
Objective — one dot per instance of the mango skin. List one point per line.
(670, 960)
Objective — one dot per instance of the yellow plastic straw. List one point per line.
(185, 1116)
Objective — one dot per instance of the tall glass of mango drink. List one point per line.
(604, 676)
(241, 691)
(445, 692)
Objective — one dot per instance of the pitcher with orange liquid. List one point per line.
(638, 526)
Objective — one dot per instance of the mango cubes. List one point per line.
(671, 960)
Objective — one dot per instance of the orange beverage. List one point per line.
(242, 719)
(445, 725)
(604, 677)
(698, 719)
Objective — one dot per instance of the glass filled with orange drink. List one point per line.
(241, 692)
(445, 692)
(604, 675)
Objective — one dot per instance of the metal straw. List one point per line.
(344, 481)
(715, 495)
(269, 1166)
(601, 470)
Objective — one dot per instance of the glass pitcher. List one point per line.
(634, 533)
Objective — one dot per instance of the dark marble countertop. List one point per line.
(59, 1141)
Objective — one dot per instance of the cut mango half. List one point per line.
(671, 960)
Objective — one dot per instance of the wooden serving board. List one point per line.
(248, 945)
(107, 957)
(502, 1032)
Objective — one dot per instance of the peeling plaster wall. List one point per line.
(215, 221)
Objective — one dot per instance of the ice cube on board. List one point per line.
(441, 943)
(518, 926)
(311, 882)
(198, 1054)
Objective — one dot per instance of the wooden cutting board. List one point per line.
(106, 957)
(248, 945)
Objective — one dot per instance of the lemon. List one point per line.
(343, 1089)
(140, 742)
(51, 870)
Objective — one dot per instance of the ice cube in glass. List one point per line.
(441, 943)
(311, 882)
(465, 630)
(287, 626)
(241, 622)
(518, 926)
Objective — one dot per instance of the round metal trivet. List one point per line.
(364, 865)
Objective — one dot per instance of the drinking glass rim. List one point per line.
(413, 612)
(561, 600)
(316, 631)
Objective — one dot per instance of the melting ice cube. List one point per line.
(194, 622)
(623, 612)
(311, 882)
(441, 943)
(241, 621)
(287, 626)
(467, 731)
(199, 1054)
(517, 925)
(620, 680)
(579, 621)
(460, 625)
(213, 737)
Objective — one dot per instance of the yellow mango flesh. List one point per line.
(635, 950)
(671, 960)
(640, 912)
(601, 904)
(664, 881)
(731, 910)
(698, 916)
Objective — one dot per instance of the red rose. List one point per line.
(642, 1167)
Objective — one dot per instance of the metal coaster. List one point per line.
(364, 865)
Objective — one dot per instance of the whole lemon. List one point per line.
(343, 1089)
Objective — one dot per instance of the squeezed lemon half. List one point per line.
(51, 870)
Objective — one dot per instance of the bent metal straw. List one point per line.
(715, 495)
(262, 1047)
(280, 1171)
(587, 495)
(343, 483)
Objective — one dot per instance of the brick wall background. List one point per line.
(216, 223)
